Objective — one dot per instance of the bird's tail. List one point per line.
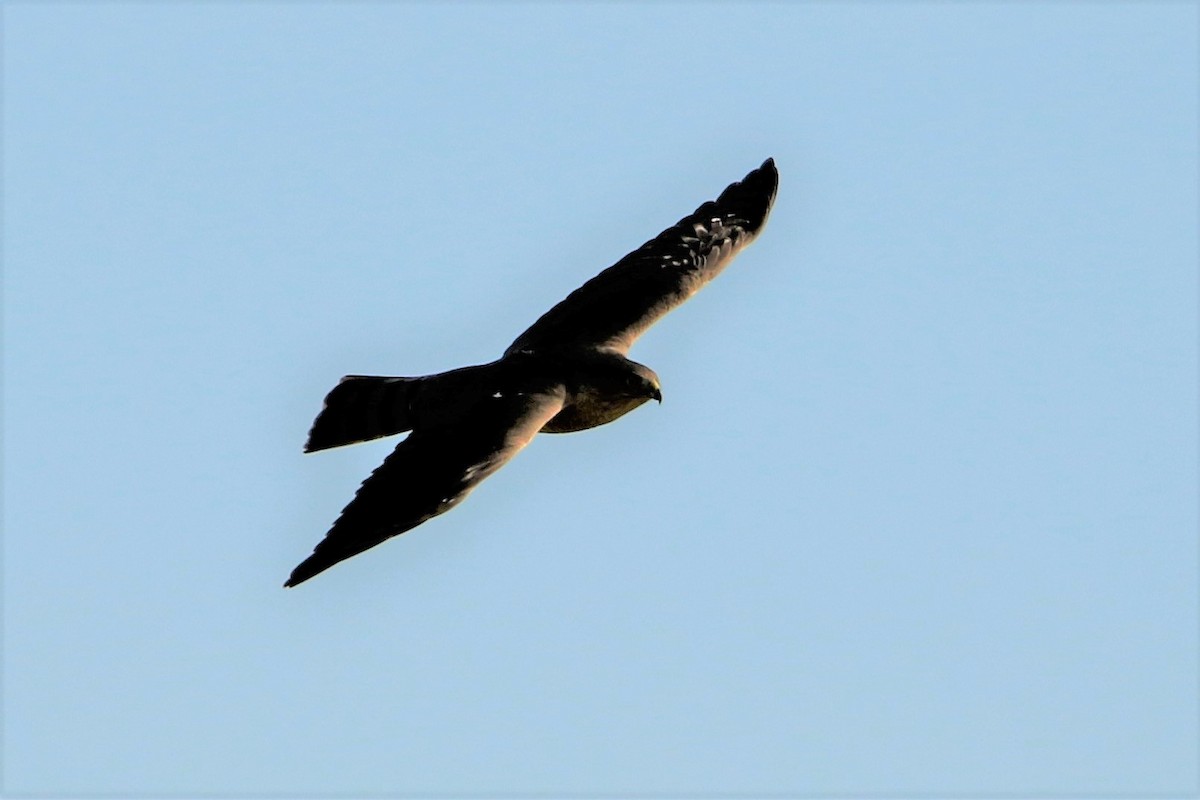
(361, 408)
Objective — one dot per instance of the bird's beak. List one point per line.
(657, 395)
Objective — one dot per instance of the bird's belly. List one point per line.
(588, 411)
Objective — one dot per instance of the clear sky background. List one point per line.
(918, 513)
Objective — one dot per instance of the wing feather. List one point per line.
(612, 309)
(430, 472)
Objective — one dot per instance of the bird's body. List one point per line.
(567, 372)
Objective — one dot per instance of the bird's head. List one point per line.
(612, 375)
(643, 382)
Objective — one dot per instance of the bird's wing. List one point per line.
(430, 472)
(612, 309)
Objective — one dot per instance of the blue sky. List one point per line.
(918, 513)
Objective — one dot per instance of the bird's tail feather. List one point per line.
(361, 408)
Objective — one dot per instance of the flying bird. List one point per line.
(567, 372)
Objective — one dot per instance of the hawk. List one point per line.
(567, 372)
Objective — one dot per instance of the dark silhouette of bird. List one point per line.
(567, 372)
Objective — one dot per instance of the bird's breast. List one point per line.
(588, 408)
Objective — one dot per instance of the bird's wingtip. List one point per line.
(768, 167)
(295, 579)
